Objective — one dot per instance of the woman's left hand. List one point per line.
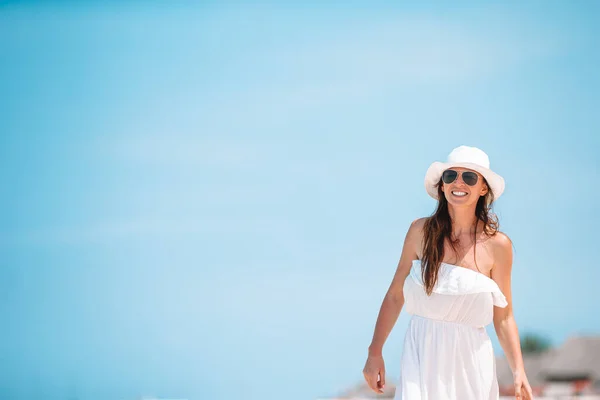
(522, 387)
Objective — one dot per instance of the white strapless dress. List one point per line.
(447, 352)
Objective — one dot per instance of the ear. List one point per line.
(484, 189)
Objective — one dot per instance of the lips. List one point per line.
(459, 193)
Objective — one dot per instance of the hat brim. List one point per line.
(435, 170)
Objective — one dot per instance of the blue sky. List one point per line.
(209, 201)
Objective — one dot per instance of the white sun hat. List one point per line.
(465, 157)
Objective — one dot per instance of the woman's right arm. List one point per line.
(391, 307)
(394, 298)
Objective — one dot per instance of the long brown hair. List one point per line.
(438, 227)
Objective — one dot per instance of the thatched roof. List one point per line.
(577, 358)
(534, 364)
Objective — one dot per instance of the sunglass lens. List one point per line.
(470, 178)
(449, 176)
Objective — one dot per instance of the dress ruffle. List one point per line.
(457, 280)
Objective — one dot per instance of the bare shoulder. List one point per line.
(410, 250)
(501, 271)
(415, 231)
(501, 242)
(418, 223)
(502, 248)
(414, 236)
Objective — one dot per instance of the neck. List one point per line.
(463, 220)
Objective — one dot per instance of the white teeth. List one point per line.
(459, 193)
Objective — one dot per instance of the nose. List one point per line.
(459, 180)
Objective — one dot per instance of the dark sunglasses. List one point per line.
(468, 177)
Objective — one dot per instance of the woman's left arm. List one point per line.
(504, 321)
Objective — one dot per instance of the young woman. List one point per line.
(454, 277)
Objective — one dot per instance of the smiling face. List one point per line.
(459, 193)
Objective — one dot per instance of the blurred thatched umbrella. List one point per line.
(578, 358)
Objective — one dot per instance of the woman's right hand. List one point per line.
(374, 372)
